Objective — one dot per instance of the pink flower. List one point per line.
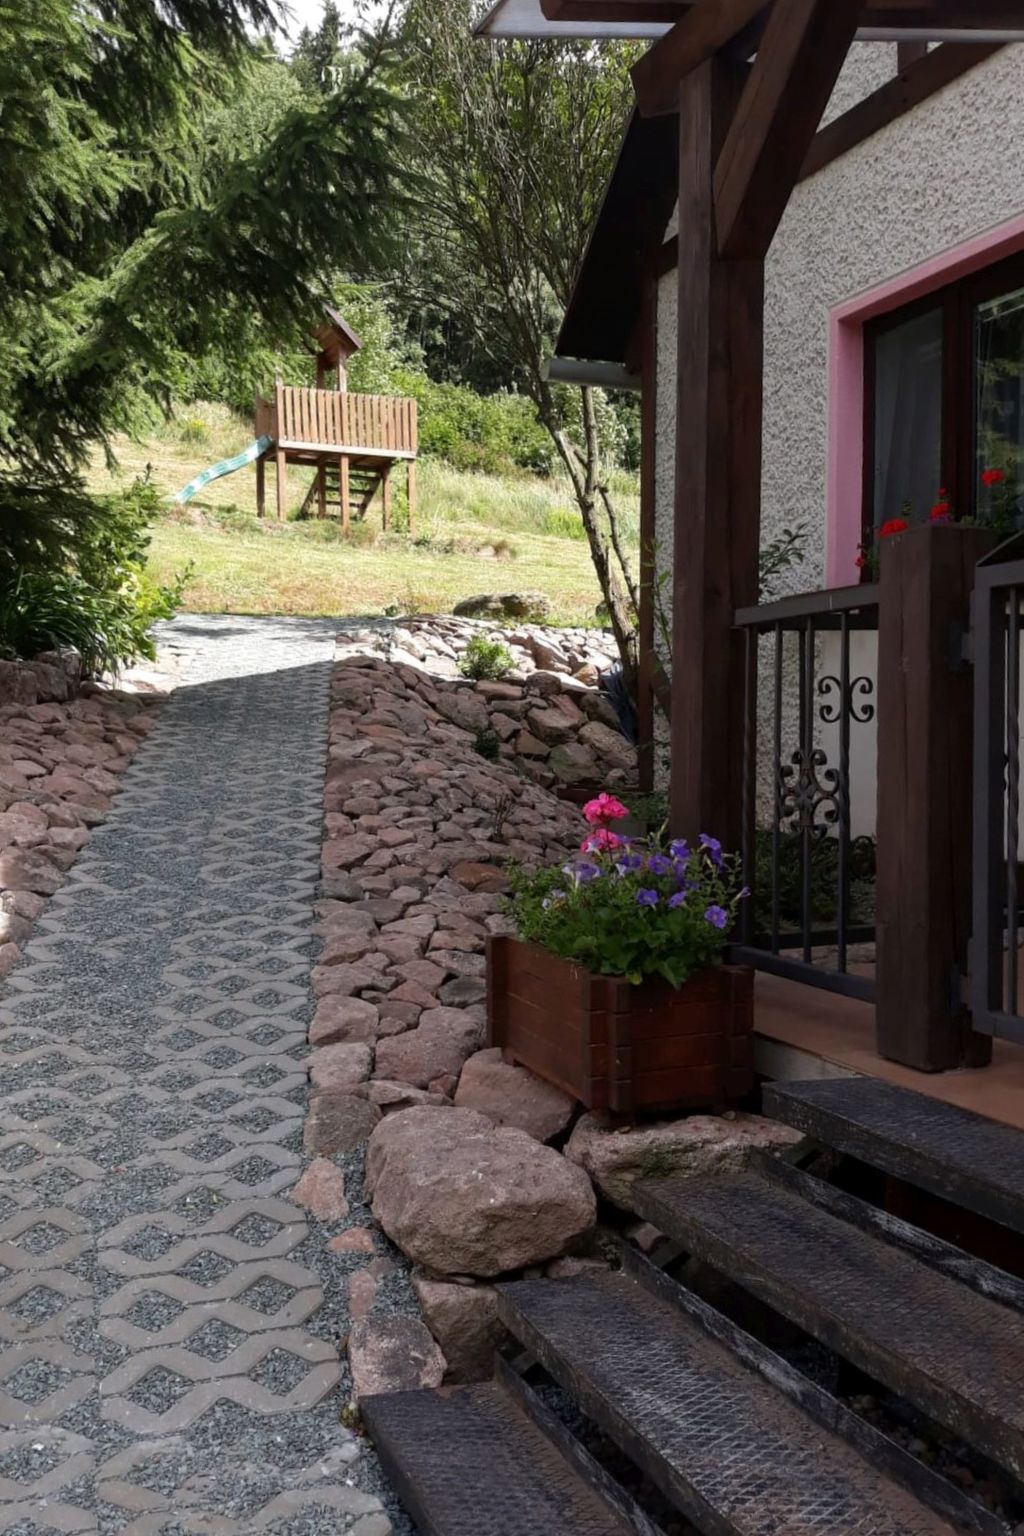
(604, 809)
(603, 840)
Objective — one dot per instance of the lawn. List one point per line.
(474, 533)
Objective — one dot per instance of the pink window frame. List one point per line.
(845, 488)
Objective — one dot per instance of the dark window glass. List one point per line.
(908, 417)
(998, 458)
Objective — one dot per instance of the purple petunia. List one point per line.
(658, 864)
(581, 872)
(647, 898)
(718, 917)
(678, 899)
(629, 863)
(680, 849)
(713, 848)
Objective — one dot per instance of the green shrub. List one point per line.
(488, 744)
(486, 660)
(92, 592)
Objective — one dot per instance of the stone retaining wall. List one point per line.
(555, 726)
(62, 751)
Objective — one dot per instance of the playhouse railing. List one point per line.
(376, 425)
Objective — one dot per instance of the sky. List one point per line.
(307, 13)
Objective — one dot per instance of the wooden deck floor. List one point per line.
(803, 1032)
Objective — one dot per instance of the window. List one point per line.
(945, 404)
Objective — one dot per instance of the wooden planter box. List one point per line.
(617, 1047)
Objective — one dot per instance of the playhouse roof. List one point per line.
(336, 338)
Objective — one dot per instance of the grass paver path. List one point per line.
(168, 1357)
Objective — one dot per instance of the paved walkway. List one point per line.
(168, 1356)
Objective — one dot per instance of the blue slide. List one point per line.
(225, 467)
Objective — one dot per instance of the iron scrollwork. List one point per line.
(859, 691)
(809, 788)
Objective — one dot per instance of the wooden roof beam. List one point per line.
(804, 46)
(705, 31)
(706, 28)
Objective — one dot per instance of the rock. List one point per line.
(439, 1044)
(510, 1095)
(26, 870)
(461, 1195)
(338, 1122)
(339, 1068)
(608, 744)
(10, 954)
(588, 675)
(573, 763)
(321, 1190)
(18, 684)
(344, 1019)
(504, 605)
(391, 1096)
(463, 991)
(616, 1159)
(479, 877)
(464, 1321)
(355, 1240)
(392, 1354)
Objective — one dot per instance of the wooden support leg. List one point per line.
(280, 485)
(385, 498)
(718, 478)
(261, 487)
(321, 491)
(925, 780)
(344, 494)
(412, 497)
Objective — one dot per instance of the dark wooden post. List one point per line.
(925, 721)
(261, 487)
(718, 475)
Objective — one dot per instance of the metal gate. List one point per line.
(996, 979)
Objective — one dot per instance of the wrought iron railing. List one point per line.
(997, 927)
(809, 776)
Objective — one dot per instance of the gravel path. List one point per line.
(168, 1358)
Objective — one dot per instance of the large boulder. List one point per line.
(511, 1095)
(461, 1195)
(464, 1321)
(617, 1159)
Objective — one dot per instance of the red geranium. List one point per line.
(942, 512)
(894, 525)
(993, 477)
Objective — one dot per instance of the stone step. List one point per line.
(731, 1449)
(489, 1460)
(965, 1158)
(956, 1354)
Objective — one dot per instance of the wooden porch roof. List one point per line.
(881, 20)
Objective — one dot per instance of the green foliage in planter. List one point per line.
(629, 908)
(486, 660)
